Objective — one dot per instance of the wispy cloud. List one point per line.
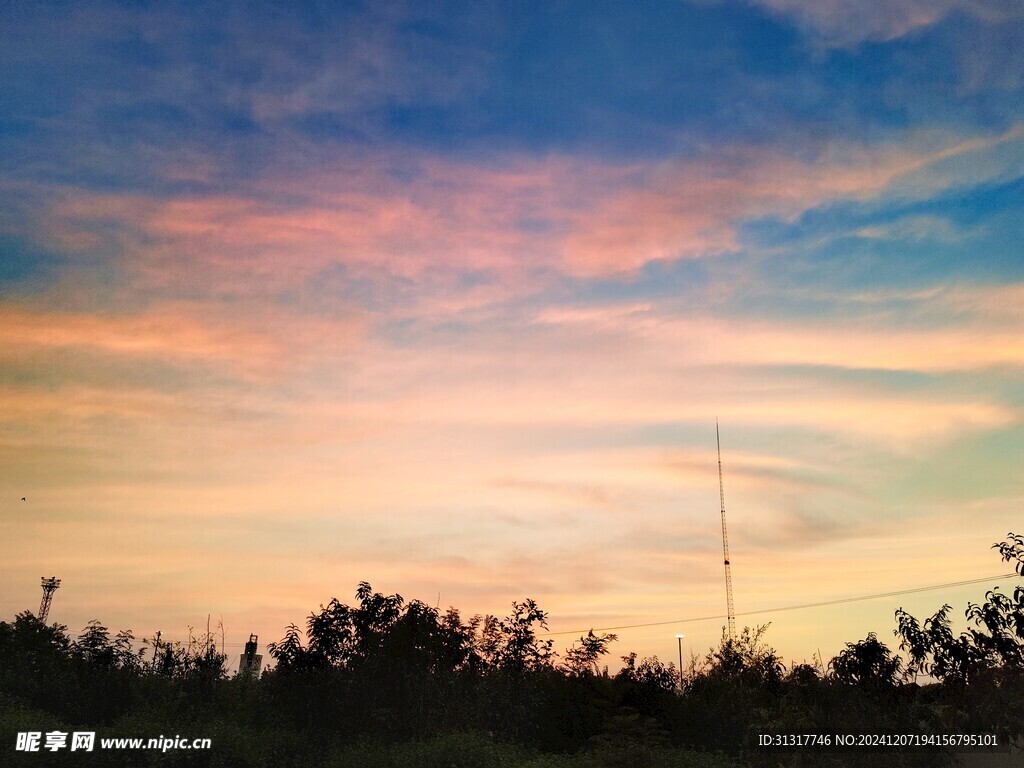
(849, 22)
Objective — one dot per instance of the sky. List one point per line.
(448, 297)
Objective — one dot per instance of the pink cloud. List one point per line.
(439, 219)
(449, 217)
(691, 209)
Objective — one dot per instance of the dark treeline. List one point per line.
(389, 682)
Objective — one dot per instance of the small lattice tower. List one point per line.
(50, 585)
(730, 610)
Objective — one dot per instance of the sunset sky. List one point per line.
(448, 296)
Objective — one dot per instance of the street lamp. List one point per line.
(679, 638)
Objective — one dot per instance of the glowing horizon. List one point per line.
(448, 300)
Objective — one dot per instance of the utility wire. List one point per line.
(837, 601)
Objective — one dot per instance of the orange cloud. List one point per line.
(257, 340)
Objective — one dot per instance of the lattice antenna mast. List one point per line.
(731, 611)
(50, 585)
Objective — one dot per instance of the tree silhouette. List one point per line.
(867, 663)
(423, 685)
(997, 641)
(94, 645)
(582, 657)
(746, 656)
(519, 649)
(1012, 551)
(650, 673)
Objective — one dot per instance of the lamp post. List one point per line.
(679, 639)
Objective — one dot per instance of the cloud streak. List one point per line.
(848, 22)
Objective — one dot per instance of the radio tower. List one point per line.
(731, 612)
(50, 586)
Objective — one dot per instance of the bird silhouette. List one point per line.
(22, 498)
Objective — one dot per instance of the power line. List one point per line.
(781, 609)
(837, 601)
(172, 641)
